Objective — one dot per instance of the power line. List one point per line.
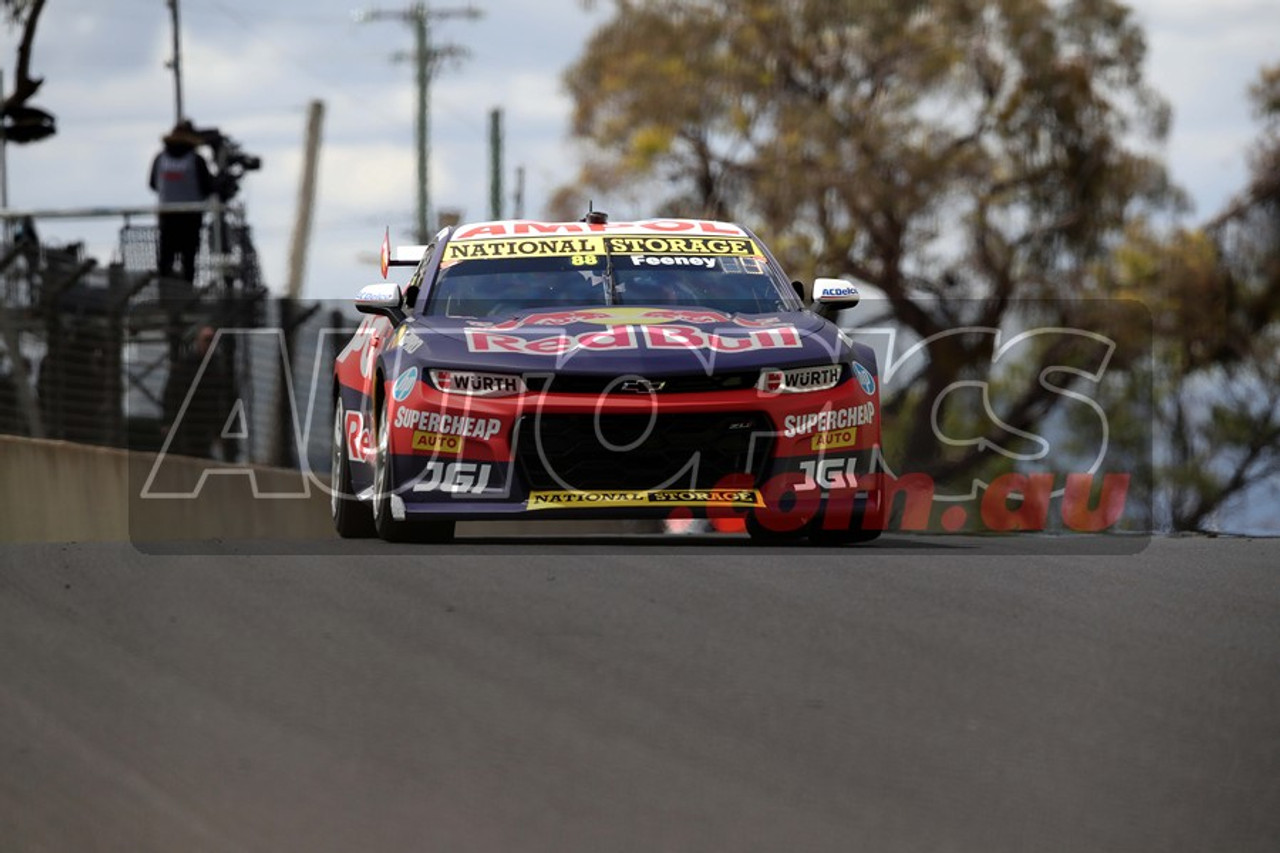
(426, 58)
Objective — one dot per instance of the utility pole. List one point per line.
(519, 194)
(176, 62)
(425, 56)
(306, 201)
(495, 164)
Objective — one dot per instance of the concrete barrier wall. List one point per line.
(57, 491)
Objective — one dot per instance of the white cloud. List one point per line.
(251, 69)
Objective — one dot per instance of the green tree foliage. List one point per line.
(1215, 294)
(959, 155)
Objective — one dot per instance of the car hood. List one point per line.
(618, 340)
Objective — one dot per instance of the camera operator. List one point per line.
(180, 174)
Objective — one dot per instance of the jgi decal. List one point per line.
(828, 474)
(469, 478)
(833, 419)
(446, 424)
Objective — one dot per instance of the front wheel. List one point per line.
(388, 526)
(351, 518)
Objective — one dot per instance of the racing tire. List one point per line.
(763, 535)
(388, 527)
(856, 533)
(351, 518)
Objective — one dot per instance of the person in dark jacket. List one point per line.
(196, 430)
(180, 174)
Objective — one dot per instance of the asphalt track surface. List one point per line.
(633, 694)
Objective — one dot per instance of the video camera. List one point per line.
(231, 160)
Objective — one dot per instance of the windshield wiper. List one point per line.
(610, 294)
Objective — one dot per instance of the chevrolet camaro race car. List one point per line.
(662, 368)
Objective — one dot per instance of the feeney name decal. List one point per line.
(665, 497)
(628, 337)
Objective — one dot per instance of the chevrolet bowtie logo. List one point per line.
(639, 386)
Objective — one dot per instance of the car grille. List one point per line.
(586, 452)
(570, 383)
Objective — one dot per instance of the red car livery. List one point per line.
(603, 370)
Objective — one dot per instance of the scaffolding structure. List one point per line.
(89, 346)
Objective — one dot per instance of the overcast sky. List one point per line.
(251, 67)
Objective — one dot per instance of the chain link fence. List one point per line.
(110, 354)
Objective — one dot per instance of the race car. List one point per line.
(593, 369)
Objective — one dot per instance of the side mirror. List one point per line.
(383, 299)
(834, 294)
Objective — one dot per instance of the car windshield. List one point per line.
(486, 287)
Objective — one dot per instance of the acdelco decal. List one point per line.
(832, 419)
(446, 424)
(658, 337)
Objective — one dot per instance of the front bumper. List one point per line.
(578, 456)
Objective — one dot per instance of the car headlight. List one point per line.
(474, 384)
(799, 380)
